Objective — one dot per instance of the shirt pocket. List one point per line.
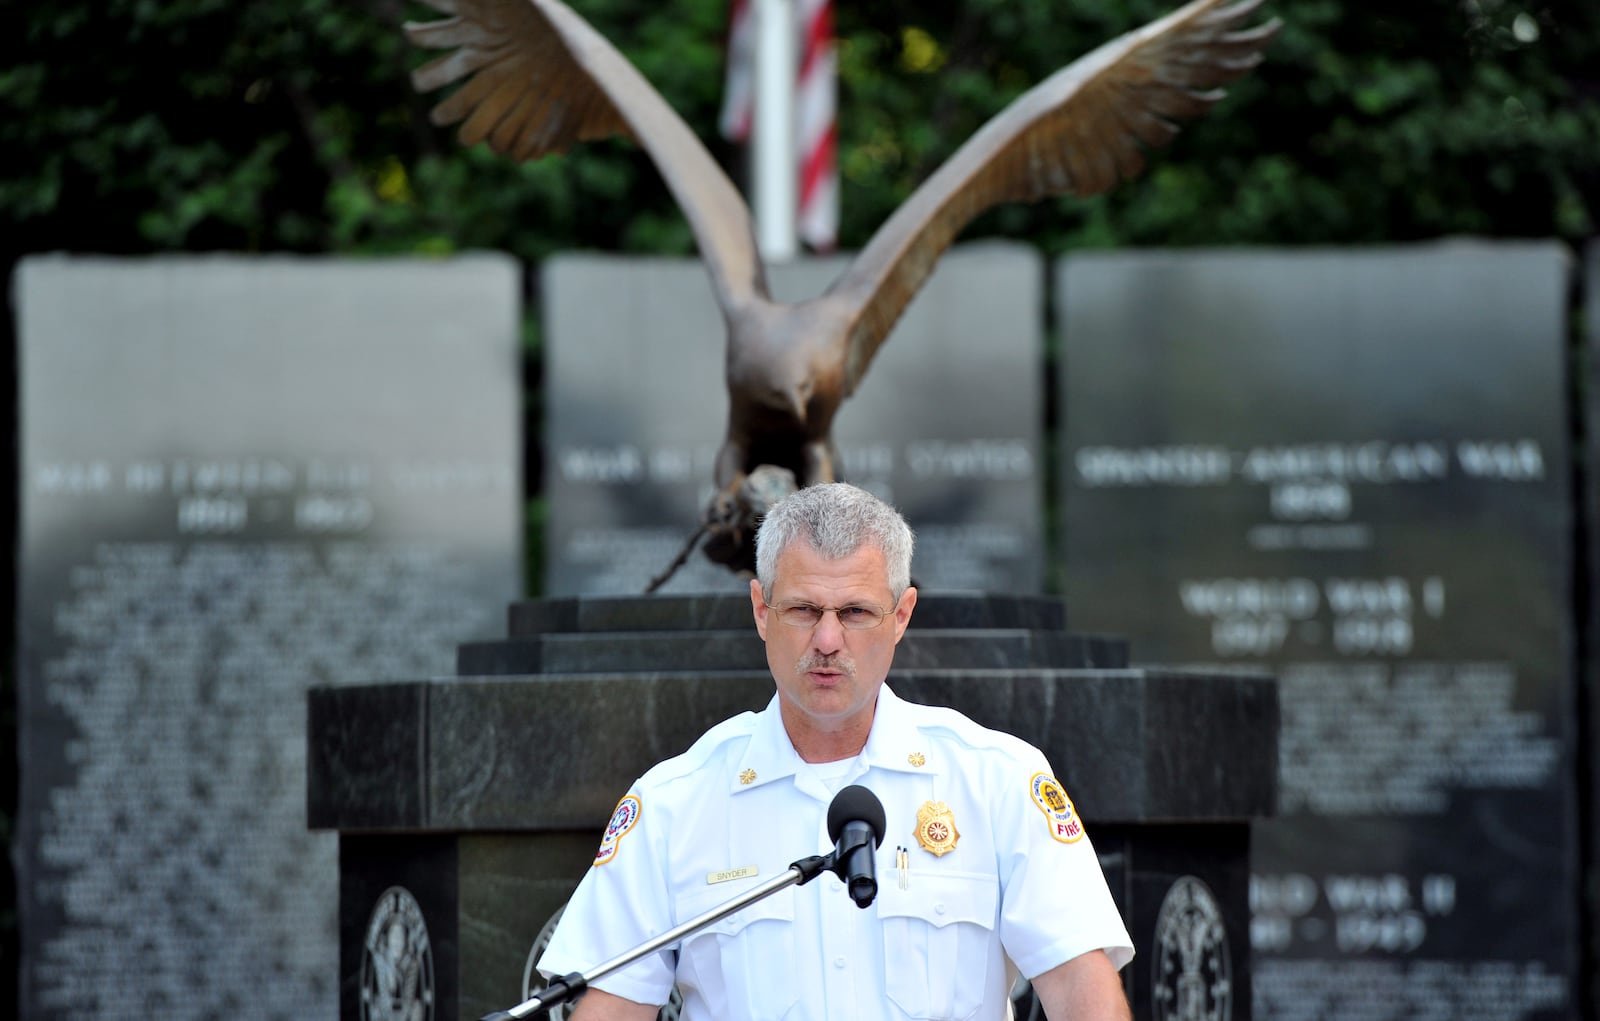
(937, 940)
(740, 965)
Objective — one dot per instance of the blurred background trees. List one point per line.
(133, 126)
(142, 126)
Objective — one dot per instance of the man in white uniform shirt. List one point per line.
(984, 871)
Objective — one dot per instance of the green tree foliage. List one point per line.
(1368, 122)
(195, 124)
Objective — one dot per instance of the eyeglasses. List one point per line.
(855, 617)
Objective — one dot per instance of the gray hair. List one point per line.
(835, 519)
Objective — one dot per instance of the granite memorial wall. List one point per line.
(1591, 664)
(947, 422)
(1351, 468)
(239, 478)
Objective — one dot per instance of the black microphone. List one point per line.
(855, 825)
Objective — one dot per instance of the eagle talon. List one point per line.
(734, 514)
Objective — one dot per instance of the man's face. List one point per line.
(828, 675)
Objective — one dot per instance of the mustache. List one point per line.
(837, 661)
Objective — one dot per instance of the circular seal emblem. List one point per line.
(530, 973)
(530, 976)
(397, 961)
(1193, 978)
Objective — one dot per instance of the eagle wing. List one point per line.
(536, 78)
(1079, 132)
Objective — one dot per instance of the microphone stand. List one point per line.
(567, 987)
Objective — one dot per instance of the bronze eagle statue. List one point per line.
(536, 79)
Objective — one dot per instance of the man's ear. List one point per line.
(902, 611)
(758, 606)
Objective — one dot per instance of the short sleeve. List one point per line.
(621, 902)
(1055, 902)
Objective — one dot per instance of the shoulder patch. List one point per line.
(622, 820)
(1052, 800)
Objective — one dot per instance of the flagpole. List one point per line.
(775, 165)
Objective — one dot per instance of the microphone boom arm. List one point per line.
(568, 987)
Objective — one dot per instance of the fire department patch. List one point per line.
(1052, 800)
(622, 820)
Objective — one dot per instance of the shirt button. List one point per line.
(938, 909)
(834, 884)
(838, 962)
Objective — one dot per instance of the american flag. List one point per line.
(816, 89)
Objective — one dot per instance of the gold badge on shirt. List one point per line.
(936, 828)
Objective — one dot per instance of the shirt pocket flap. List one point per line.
(692, 904)
(940, 898)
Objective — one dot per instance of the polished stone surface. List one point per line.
(544, 753)
(241, 475)
(605, 634)
(1355, 467)
(732, 612)
(610, 652)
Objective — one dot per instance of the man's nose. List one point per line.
(828, 634)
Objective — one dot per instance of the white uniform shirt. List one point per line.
(1021, 882)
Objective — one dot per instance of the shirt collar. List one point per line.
(769, 755)
(894, 743)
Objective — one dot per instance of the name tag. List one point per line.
(726, 875)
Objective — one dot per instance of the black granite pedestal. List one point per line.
(469, 807)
